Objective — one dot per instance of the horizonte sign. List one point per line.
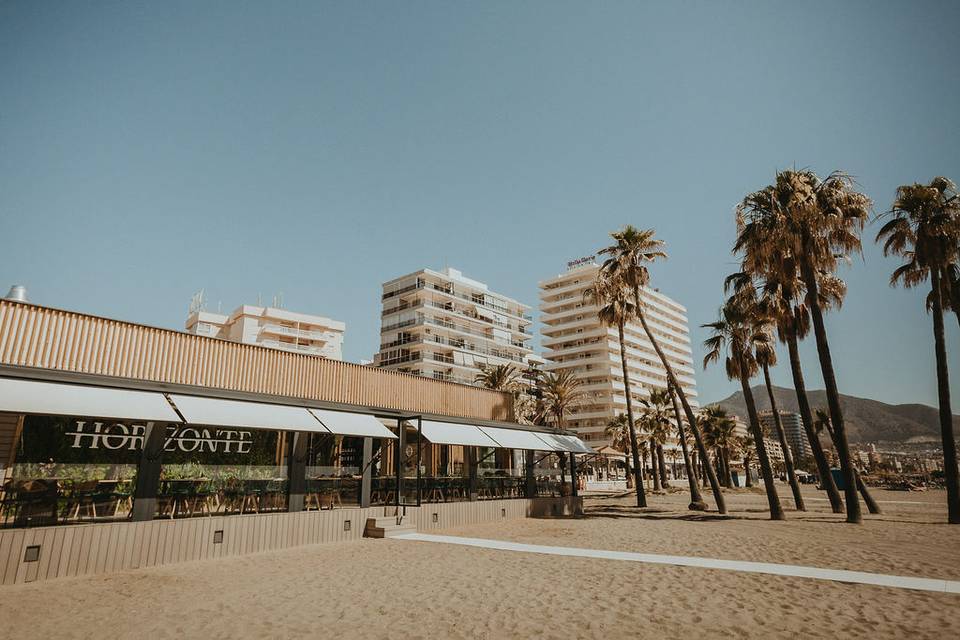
(117, 435)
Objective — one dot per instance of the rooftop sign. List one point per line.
(580, 261)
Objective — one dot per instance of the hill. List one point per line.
(867, 420)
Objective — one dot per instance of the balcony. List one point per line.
(295, 348)
(450, 291)
(294, 332)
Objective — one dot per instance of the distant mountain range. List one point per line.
(866, 420)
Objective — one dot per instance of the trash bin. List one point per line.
(838, 479)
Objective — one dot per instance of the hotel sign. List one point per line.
(117, 436)
(580, 261)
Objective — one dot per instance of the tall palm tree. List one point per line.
(765, 354)
(696, 500)
(817, 223)
(627, 259)
(614, 309)
(822, 423)
(924, 228)
(734, 333)
(783, 300)
(561, 391)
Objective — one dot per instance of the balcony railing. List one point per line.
(450, 291)
(294, 332)
(296, 348)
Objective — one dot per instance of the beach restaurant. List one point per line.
(124, 446)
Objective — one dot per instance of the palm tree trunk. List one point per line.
(773, 500)
(637, 477)
(806, 417)
(687, 410)
(833, 395)
(696, 500)
(654, 471)
(662, 463)
(746, 471)
(946, 415)
(787, 455)
(872, 505)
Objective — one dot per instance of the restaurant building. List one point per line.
(124, 446)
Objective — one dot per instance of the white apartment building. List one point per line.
(574, 339)
(792, 429)
(274, 328)
(442, 325)
(771, 444)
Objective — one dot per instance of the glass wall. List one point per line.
(222, 471)
(444, 473)
(334, 469)
(551, 473)
(69, 470)
(499, 474)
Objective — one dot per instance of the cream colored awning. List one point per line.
(515, 439)
(455, 433)
(352, 424)
(217, 412)
(33, 396)
(562, 442)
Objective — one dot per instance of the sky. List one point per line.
(318, 149)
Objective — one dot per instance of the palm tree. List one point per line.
(618, 430)
(656, 422)
(823, 423)
(815, 222)
(696, 500)
(502, 377)
(783, 301)
(719, 431)
(561, 392)
(734, 332)
(614, 309)
(924, 228)
(627, 260)
(765, 354)
(747, 450)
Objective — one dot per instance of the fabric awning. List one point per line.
(252, 415)
(33, 396)
(562, 442)
(515, 439)
(352, 424)
(454, 433)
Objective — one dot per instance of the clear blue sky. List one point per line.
(151, 150)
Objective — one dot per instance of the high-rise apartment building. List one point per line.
(574, 339)
(442, 325)
(272, 327)
(792, 429)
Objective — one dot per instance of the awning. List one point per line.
(561, 442)
(251, 415)
(454, 433)
(516, 439)
(352, 424)
(33, 396)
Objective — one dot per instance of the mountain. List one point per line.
(866, 420)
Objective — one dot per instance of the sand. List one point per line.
(403, 589)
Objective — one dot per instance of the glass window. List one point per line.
(334, 468)
(68, 470)
(222, 471)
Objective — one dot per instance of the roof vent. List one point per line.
(17, 293)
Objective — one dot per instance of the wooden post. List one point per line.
(148, 472)
(296, 470)
(366, 481)
(573, 474)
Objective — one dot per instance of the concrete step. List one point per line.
(381, 532)
(386, 527)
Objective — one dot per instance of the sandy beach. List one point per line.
(406, 589)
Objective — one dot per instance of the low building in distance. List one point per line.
(574, 339)
(272, 327)
(445, 326)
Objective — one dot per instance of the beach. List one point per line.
(412, 589)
